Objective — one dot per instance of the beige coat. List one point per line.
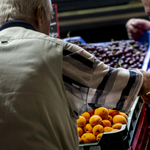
(35, 113)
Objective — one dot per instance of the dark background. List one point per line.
(108, 23)
(103, 34)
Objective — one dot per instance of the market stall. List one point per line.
(134, 134)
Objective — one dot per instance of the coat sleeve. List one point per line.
(90, 83)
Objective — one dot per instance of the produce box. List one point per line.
(75, 39)
(124, 53)
(143, 39)
(142, 134)
(123, 138)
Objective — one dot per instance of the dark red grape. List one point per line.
(126, 54)
(125, 66)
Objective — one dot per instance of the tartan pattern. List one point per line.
(90, 83)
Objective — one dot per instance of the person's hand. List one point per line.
(145, 88)
(146, 98)
(136, 27)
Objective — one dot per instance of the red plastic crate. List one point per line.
(142, 134)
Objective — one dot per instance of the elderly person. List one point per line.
(45, 83)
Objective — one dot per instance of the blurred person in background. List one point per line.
(46, 83)
(136, 27)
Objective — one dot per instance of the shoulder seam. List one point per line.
(44, 39)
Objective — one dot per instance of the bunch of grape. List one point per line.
(125, 53)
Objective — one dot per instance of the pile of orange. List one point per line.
(92, 124)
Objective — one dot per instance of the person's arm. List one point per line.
(146, 98)
(145, 88)
(90, 83)
(136, 27)
(145, 95)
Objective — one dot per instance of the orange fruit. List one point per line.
(80, 140)
(99, 136)
(123, 114)
(110, 118)
(113, 112)
(106, 123)
(119, 119)
(114, 130)
(86, 115)
(117, 126)
(108, 129)
(80, 131)
(88, 138)
(98, 129)
(87, 128)
(81, 121)
(95, 119)
(102, 112)
(91, 112)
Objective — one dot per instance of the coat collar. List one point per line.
(17, 23)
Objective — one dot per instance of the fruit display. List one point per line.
(106, 127)
(126, 53)
(92, 124)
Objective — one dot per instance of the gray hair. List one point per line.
(22, 9)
